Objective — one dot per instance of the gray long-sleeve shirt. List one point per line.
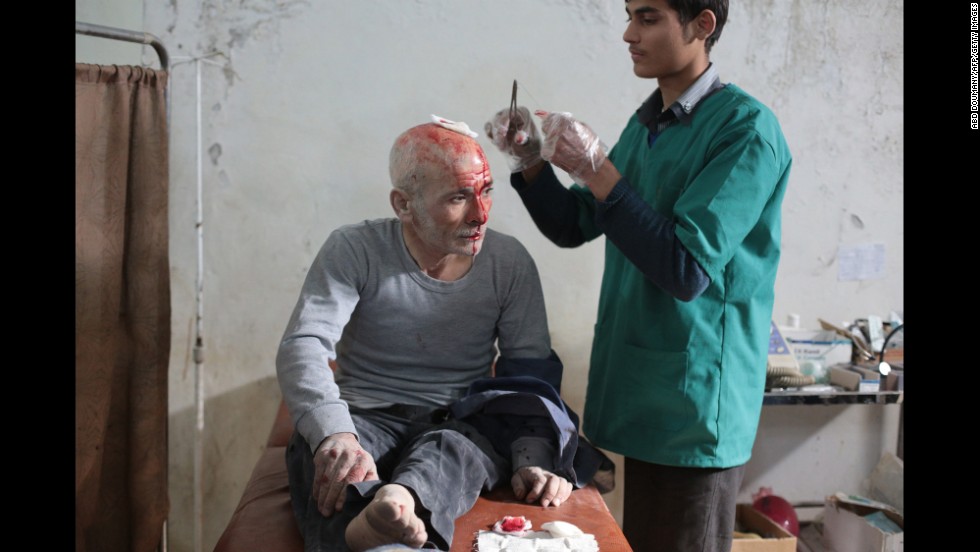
(399, 336)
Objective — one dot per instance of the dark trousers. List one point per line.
(446, 464)
(675, 509)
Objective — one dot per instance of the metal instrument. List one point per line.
(512, 122)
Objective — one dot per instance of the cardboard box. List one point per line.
(774, 537)
(857, 524)
(847, 379)
(855, 378)
(817, 350)
(895, 380)
(870, 379)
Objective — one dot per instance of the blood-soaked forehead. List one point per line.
(427, 151)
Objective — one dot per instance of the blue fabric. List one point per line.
(502, 407)
(548, 370)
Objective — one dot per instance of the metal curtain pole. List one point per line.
(127, 35)
(199, 391)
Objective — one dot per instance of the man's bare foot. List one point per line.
(389, 519)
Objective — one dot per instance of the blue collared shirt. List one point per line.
(653, 115)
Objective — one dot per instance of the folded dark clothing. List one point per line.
(416, 413)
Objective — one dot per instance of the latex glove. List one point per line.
(524, 150)
(532, 483)
(571, 145)
(338, 461)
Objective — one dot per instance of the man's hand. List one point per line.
(532, 483)
(339, 460)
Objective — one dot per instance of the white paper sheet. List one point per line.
(534, 541)
(861, 262)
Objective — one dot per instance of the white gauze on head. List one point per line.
(458, 126)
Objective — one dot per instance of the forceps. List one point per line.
(511, 123)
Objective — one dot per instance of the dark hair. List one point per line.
(689, 9)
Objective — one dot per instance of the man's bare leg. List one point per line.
(388, 519)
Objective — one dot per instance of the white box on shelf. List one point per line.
(817, 350)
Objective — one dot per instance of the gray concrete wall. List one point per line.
(291, 117)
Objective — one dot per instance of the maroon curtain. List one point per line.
(122, 308)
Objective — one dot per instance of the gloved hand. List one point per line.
(571, 145)
(524, 149)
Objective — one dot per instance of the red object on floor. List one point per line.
(779, 510)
